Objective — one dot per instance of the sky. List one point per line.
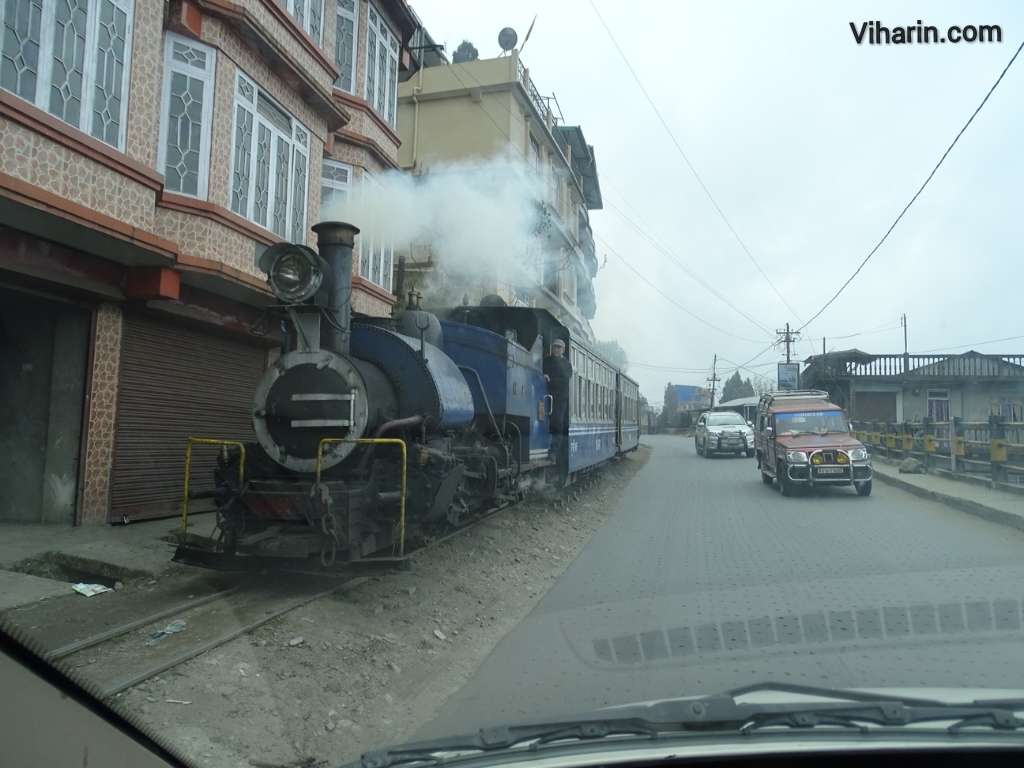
(783, 153)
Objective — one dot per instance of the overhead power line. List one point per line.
(688, 163)
(919, 191)
(679, 263)
(696, 317)
(972, 344)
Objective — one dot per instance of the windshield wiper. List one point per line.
(718, 713)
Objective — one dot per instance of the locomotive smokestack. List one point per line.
(335, 241)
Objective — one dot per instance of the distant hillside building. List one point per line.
(691, 398)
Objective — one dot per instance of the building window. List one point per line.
(336, 182)
(534, 157)
(938, 404)
(186, 115)
(375, 252)
(345, 44)
(309, 14)
(71, 59)
(270, 151)
(381, 66)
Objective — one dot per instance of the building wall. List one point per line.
(109, 207)
(459, 129)
(102, 401)
(968, 401)
(476, 112)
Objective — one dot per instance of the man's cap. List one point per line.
(558, 343)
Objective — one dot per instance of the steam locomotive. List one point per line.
(374, 432)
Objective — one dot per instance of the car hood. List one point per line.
(818, 442)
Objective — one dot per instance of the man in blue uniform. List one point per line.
(558, 375)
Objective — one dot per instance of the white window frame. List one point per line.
(44, 62)
(298, 141)
(302, 12)
(938, 396)
(333, 184)
(352, 16)
(381, 39)
(171, 66)
(372, 248)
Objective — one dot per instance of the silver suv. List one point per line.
(723, 432)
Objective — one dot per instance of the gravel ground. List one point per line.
(366, 668)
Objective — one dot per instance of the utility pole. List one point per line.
(714, 381)
(788, 338)
(903, 321)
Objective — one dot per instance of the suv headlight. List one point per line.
(796, 457)
(858, 454)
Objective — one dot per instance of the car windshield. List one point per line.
(383, 370)
(725, 419)
(821, 422)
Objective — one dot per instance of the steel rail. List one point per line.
(190, 653)
(89, 642)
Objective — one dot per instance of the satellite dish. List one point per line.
(507, 39)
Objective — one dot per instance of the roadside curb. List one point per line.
(983, 511)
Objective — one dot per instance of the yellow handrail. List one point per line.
(378, 441)
(188, 469)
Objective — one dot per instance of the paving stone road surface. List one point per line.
(704, 580)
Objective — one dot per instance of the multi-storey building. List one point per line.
(490, 111)
(149, 151)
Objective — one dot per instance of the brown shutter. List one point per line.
(876, 406)
(175, 383)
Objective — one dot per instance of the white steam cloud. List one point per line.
(477, 223)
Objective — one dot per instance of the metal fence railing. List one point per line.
(994, 448)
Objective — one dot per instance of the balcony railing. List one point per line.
(927, 366)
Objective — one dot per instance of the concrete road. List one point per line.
(705, 580)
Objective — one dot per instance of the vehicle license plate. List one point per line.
(830, 471)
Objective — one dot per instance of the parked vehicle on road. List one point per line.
(803, 440)
(724, 432)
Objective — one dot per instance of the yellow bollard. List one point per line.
(997, 450)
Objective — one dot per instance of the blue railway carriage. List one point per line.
(593, 415)
(501, 350)
(629, 413)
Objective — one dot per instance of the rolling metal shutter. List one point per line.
(876, 406)
(176, 383)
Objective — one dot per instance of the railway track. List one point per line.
(125, 655)
(121, 656)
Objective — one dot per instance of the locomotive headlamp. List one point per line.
(295, 272)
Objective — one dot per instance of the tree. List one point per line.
(736, 388)
(762, 385)
(613, 353)
(731, 387)
(670, 408)
(465, 52)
